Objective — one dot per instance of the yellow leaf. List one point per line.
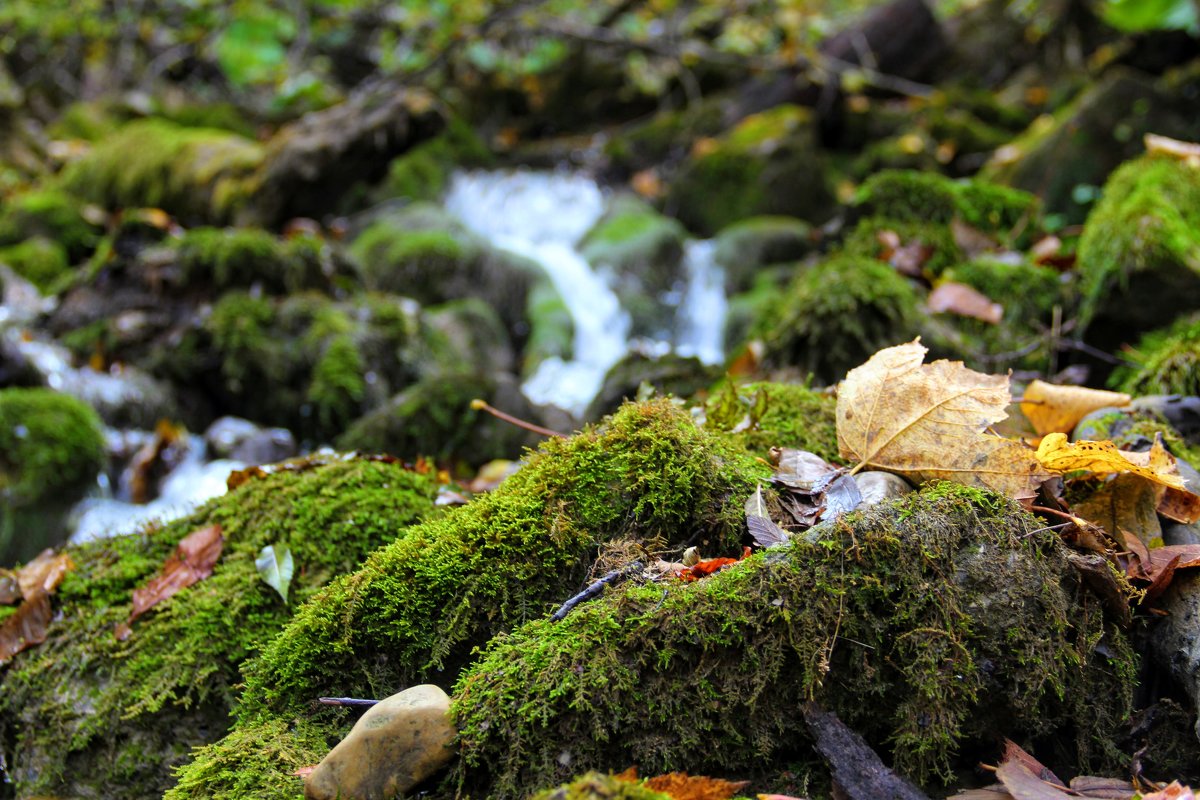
(1103, 458)
(1050, 408)
(927, 422)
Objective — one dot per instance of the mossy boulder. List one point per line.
(745, 247)
(952, 609)
(642, 251)
(1167, 361)
(202, 175)
(87, 715)
(434, 418)
(933, 243)
(52, 214)
(1085, 140)
(423, 172)
(669, 374)
(39, 260)
(835, 315)
(424, 253)
(647, 477)
(224, 258)
(767, 164)
(1139, 256)
(768, 414)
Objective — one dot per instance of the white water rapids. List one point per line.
(543, 216)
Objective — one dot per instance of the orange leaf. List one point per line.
(681, 786)
(960, 299)
(191, 562)
(44, 573)
(1058, 409)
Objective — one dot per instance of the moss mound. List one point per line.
(598, 786)
(198, 174)
(948, 609)
(416, 609)
(912, 196)
(767, 415)
(1167, 362)
(39, 261)
(835, 315)
(49, 443)
(49, 213)
(1139, 256)
(85, 715)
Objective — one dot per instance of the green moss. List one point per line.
(597, 786)
(52, 214)
(927, 197)
(837, 314)
(224, 258)
(422, 172)
(40, 261)
(337, 386)
(395, 261)
(416, 609)
(87, 715)
(1167, 362)
(768, 164)
(767, 415)
(198, 174)
(49, 443)
(937, 240)
(1139, 256)
(927, 624)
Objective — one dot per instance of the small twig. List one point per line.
(345, 701)
(593, 590)
(1068, 517)
(480, 405)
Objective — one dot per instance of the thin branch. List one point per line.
(594, 589)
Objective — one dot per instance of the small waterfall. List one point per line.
(543, 216)
(700, 320)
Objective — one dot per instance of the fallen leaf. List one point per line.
(275, 567)
(802, 470)
(708, 566)
(1057, 454)
(907, 259)
(1102, 788)
(192, 561)
(958, 298)
(1014, 752)
(26, 627)
(1125, 504)
(841, 497)
(10, 588)
(927, 422)
(1058, 409)
(762, 528)
(1176, 790)
(1180, 505)
(1160, 557)
(1188, 152)
(681, 786)
(972, 241)
(44, 573)
(1023, 784)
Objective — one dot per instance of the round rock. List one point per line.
(398, 743)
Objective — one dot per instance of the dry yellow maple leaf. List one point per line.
(1050, 408)
(1103, 458)
(927, 422)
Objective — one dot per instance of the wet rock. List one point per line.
(475, 336)
(743, 248)
(1182, 412)
(668, 375)
(397, 743)
(20, 301)
(1176, 640)
(875, 487)
(241, 440)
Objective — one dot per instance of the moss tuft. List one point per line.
(954, 613)
(85, 715)
(52, 214)
(767, 415)
(225, 258)
(49, 443)
(927, 197)
(835, 315)
(40, 261)
(1167, 362)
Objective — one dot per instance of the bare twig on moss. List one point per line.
(594, 589)
(346, 701)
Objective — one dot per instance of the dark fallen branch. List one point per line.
(855, 766)
(346, 701)
(594, 589)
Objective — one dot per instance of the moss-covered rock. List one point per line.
(423, 172)
(1167, 362)
(743, 248)
(87, 715)
(52, 214)
(39, 260)
(646, 478)
(952, 610)
(669, 374)
(1139, 256)
(202, 175)
(597, 786)
(49, 444)
(224, 258)
(836, 314)
(642, 251)
(768, 164)
(1085, 140)
(932, 242)
(766, 415)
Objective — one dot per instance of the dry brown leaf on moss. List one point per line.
(1058, 409)
(682, 786)
(927, 422)
(26, 627)
(965, 301)
(193, 561)
(1103, 458)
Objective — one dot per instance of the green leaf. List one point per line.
(275, 567)
(251, 50)
(1144, 15)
